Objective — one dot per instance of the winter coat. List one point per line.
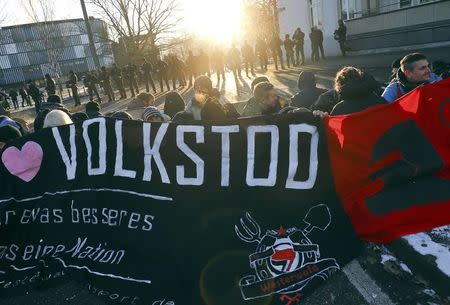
(308, 92)
(357, 96)
(400, 86)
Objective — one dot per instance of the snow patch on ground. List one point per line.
(405, 268)
(423, 244)
(442, 232)
(387, 257)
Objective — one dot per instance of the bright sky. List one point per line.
(218, 20)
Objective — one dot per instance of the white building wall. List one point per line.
(297, 13)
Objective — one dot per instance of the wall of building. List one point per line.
(297, 13)
(25, 52)
(427, 23)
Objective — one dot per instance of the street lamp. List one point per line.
(90, 37)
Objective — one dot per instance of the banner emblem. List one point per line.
(285, 260)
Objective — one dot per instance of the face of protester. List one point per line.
(201, 96)
(154, 118)
(270, 100)
(420, 73)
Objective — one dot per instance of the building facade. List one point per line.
(29, 51)
(323, 14)
(392, 24)
(383, 25)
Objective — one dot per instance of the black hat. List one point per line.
(8, 133)
(54, 99)
(173, 103)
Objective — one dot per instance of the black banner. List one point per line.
(242, 213)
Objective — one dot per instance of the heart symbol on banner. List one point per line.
(24, 163)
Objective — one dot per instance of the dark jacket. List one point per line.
(358, 96)
(308, 92)
(253, 107)
(326, 101)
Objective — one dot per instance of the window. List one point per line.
(316, 12)
(351, 9)
(405, 3)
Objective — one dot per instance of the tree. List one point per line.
(139, 25)
(261, 18)
(42, 12)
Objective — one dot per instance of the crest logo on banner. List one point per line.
(285, 260)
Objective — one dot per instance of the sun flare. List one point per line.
(215, 20)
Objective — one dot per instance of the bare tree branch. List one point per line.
(142, 24)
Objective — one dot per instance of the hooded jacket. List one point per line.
(357, 96)
(308, 92)
(401, 86)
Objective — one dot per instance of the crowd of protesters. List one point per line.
(172, 71)
(354, 90)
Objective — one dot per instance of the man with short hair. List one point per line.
(266, 101)
(414, 71)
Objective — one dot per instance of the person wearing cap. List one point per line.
(152, 114)
(202, 89)
(266, 101)
(8, 133)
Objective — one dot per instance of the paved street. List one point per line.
(379, 276)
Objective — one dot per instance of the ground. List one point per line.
(379, 276)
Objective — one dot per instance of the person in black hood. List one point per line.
(173, 104)
(356, 90)
(308, 92)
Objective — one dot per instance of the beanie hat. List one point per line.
(93, 110)
(203, 83)
(259, 79)
(261, 90)
(8, 133)
(54, 99)
(122, 115)
(151, 111)
(306, 79)
(92, 107)
(57, 118)
(173, 103)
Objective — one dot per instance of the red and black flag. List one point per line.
(250, 211)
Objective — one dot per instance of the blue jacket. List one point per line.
(391, 93)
